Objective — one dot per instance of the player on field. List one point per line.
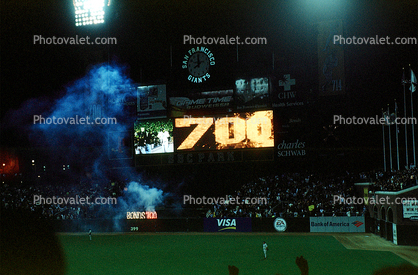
(90, 234)
(265, 248)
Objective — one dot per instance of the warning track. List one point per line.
(366, 241)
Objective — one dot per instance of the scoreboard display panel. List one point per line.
(153, 136)
(233, 131)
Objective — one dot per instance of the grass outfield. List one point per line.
(172, 254)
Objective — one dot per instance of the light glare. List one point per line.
(89, 12)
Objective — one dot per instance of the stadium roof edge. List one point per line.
(398, 192)
(363, 183)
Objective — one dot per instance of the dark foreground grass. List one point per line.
(182, 254)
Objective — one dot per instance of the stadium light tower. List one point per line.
(89, 12)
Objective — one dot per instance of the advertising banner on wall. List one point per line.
(410, 209)
(280, 224)
(287, 91)
(395, 233)
(200, 102)
(337, 224)
(227, 225)
(205, 157)
(124, 96)
(292, 138)
(120, 145)
(252, 93)
(152, 101)
(330, 58)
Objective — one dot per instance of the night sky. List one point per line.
(148, 31)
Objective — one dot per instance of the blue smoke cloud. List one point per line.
(86, 147)
(87, 97)
(139, 197)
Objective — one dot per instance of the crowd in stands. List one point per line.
(287, 195)
(294, 195)
(391, 181)
(38, 197)
(304, 195)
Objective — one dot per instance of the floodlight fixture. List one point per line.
(89, 12)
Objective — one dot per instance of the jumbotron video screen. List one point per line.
(235, 131)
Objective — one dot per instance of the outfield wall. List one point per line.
(393, 220)
(182, 225)
(405, 234)
(338, 224)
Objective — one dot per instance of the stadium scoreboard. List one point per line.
(232, 124)
(205, 139)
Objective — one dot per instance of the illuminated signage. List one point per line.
(204, 157)
(289, 149)
(153, 136)
(200, 102)
(280, 224)
(197, 61)
(125, 97)
(227, 225)
(141, 215)
(120, 145)
(204, 100)
(286, 92)
(244, 130)
(252, 93)
(152, 101)
(410, 208)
